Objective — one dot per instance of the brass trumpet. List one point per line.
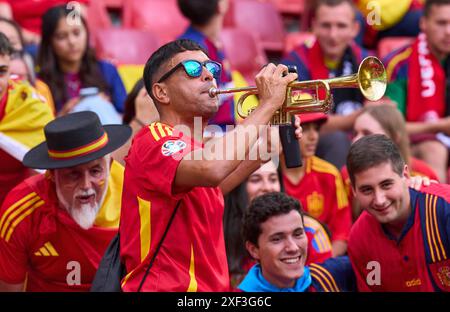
(370, 79)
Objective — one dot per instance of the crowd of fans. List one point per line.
(81, 153)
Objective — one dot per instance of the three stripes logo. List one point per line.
(17, 212)
(47, 251)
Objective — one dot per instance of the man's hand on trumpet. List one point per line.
(272, 83)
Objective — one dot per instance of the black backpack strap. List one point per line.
(159, 246)
(110, 270)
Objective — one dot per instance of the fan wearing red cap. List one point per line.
(55, 227)
(318, 185)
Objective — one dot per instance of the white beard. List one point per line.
(86, 214)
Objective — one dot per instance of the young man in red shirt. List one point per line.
(401, 242)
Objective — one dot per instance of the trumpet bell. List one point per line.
(372, 78)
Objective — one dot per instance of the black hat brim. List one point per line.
(38, 157)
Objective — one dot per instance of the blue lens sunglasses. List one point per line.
(194, 69)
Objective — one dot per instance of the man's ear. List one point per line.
(406, 172)
(355, 28)
(252, 249)
(160, 93)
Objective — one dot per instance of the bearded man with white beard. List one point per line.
(55, 227)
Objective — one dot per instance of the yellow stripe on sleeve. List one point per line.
(14, 206)
(329, 277)
(16, 213)
(145, 226)
(23, 216)
(153, 132)
(427, 225)
(436, 227)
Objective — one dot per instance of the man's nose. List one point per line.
(86, 182)
(207, 75)
(380, 198)
(291, 245)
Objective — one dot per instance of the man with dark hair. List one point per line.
(168, 174)
(401, 242)
(206, 18)
(274, 235)
(419, 82)
(23, 115)
(334, 53)
(54, 227)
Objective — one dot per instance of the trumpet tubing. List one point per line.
(371, 79)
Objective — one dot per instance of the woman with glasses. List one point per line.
(67, 64)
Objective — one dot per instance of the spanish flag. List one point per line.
(24, 118)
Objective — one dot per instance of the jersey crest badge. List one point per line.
(171, 147)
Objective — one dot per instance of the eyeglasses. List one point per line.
(194, 69)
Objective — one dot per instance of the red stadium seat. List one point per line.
(113, 4)
(125, 46)
(97, 17)
(244, 52)
(294, 39)
(389, 44)
(162, 17)
(291, 7)
(261, 19)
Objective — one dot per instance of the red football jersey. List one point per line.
(192, 257)
(322, 194)
(402, 266)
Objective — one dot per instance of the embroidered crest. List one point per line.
(444, 275)
(315, 202)
(171, 147)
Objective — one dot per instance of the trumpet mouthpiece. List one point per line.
(213, 92)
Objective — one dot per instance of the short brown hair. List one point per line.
(332, 3)
(430, 3)
(371, 151)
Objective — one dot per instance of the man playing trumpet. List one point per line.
(161, 174)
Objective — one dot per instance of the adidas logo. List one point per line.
(47, 250)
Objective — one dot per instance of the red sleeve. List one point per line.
(15, 235)
(356, 253)
(319, 245)
(341, 218)
(157, 146)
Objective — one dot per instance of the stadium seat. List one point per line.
(244, 52)
(125, 46)
(389, 44)
(162, 17)
(294, 39)
(291, 7)
(261, 19)
(113, 4)
(97, 18)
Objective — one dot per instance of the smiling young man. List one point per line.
(274, 235)
(401, 242)
(54, 227)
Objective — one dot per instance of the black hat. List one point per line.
(75, 139)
